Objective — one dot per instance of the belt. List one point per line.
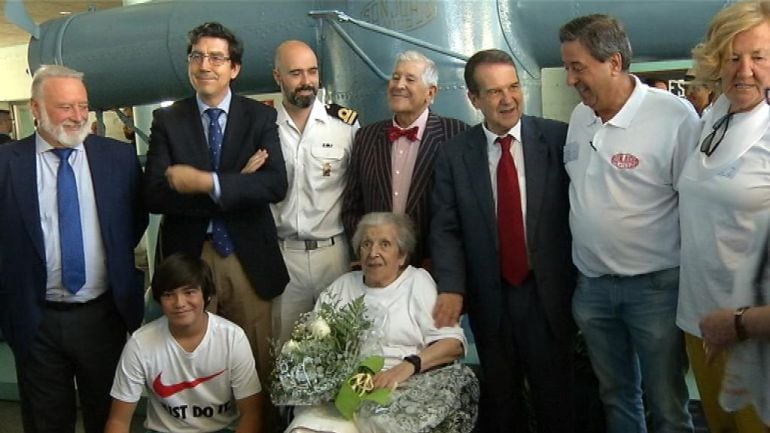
(67, 306)
(307, 245)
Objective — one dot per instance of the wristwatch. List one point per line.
(415, 361)
(740, 330)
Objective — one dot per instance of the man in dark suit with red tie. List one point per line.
(500, 221)
(213, 167)
(391, 164)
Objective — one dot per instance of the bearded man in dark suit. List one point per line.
(71, 208)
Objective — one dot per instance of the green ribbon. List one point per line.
(360, 387)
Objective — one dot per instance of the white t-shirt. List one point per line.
(721, 197)
(316, 161)
(187, 391)
(747, 371)
(623, 201)
(401, 312)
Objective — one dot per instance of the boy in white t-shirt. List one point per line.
(197, 368)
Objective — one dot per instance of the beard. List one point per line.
(302, 101)
(68, 139)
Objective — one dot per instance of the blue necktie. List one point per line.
(219, 236)
(73, 262)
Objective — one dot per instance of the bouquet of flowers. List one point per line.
(323, 352)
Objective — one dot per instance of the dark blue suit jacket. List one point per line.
(177, 137)
(464, 225)
(116, 178)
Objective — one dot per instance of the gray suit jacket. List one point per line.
(464, 225)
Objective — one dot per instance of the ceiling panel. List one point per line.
(44, 10)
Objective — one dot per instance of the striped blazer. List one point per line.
(369, 183)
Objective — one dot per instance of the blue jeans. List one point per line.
(628, 325)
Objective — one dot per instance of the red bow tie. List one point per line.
(394, 132)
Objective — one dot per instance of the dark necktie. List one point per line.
(73, 262)
(510, 221)
(219, 236)
(394, 132)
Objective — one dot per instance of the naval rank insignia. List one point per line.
(344, 114)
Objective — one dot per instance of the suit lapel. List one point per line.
(101, 165)
(422, 164)
(423, 168)
(198, 148)
(235, 129)
(477, 164)
(24, 178)
(384, 168)
(536, 167)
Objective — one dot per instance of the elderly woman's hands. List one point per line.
(391, 378)
(718, 331)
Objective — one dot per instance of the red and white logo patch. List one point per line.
(624, 160)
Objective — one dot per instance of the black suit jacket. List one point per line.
(177, 137)
(464, 225)
(369, 180)
(117, 179)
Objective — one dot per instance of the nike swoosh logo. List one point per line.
(165, 391)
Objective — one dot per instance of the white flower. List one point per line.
(319, 328)
(290, 346)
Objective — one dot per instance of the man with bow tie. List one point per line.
(391, 167)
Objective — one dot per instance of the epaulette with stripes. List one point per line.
(344, 114)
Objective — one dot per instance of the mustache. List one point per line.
(305, 87)
(69, 123)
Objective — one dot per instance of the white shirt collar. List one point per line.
(41, 145)
(224, 105)
(625, 117)
(491, 136)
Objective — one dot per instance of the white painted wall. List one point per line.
(558, 98)
(14, 78)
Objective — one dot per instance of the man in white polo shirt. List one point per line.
(625, 148)
(316, 142)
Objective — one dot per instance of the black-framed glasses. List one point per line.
(214, 59)
(715, 137)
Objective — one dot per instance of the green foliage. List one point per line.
(322, 353)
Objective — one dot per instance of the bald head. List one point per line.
(296, 73)
(291, 48)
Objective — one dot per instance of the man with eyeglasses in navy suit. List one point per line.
(214, 166)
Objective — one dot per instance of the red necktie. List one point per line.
(510, 222)
(394, 132)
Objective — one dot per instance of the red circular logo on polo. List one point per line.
(624, 161)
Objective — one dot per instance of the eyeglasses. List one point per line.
(714, 139)
(214, 59)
